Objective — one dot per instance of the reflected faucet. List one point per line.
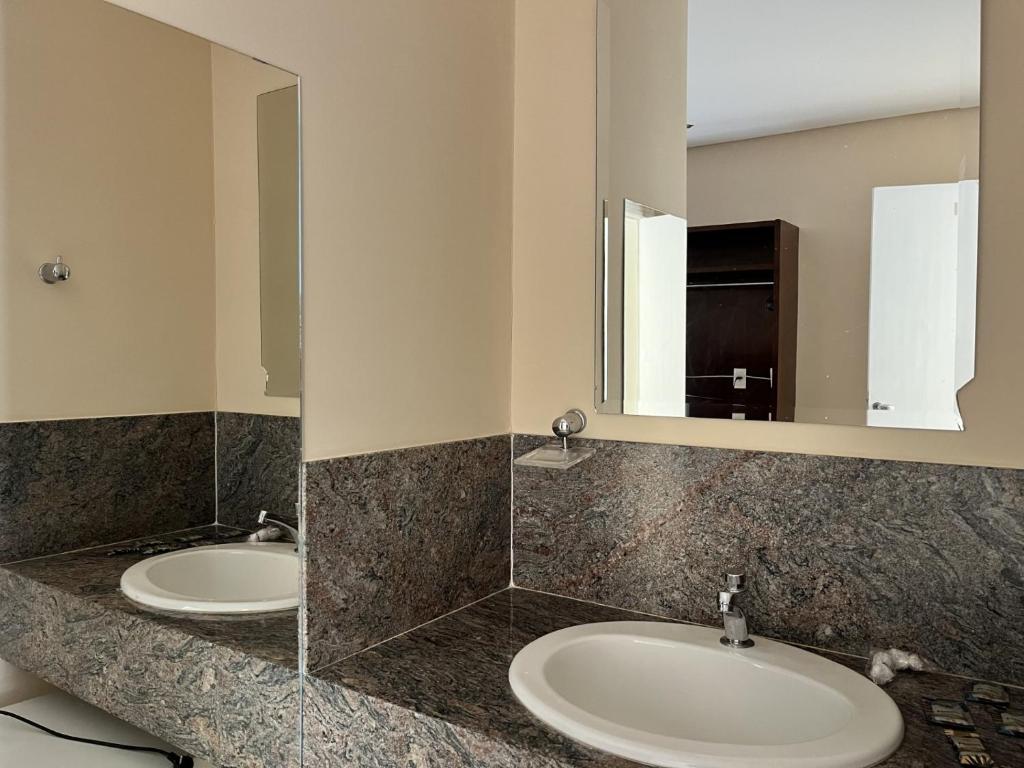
(266, 520)
(736, 634)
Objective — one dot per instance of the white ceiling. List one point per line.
(762, 67)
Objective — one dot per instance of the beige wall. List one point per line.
(237, 81)
(822, 181)
(554, 258)
(16, 685)
(407, 141)
(130, 333)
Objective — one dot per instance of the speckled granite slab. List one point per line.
(438, 697)
(398, 538)
(258, 460)
(842, 553)
(223, 689)
(71, 484)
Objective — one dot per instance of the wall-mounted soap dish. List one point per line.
(554, 456)
(559, 454)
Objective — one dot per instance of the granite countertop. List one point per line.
(220, 688)
(439, 696)
(435, 697)
(95, 575)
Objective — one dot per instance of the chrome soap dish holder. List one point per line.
(558, 454)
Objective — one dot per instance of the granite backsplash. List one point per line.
(258, 460)
(398, 538)
(75, 483)
(842, 553)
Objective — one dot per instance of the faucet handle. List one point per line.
(735, 580)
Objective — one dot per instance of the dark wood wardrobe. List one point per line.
(741, 320)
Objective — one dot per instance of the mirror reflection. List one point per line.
(278, 147)
(822, 157)
(151, 253)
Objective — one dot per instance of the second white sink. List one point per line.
(222, 578)
(671, 695)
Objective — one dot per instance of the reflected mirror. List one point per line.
(787, 209)
(278, 145)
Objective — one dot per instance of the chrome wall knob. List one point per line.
(55, 272)
(571, 423)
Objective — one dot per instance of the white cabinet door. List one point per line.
(918, 289)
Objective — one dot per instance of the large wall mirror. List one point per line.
(164, 170)
(787, 200)
(149, 385)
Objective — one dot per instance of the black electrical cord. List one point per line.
(180, 761)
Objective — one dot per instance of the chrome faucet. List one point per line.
(736, 635)
(265, 519)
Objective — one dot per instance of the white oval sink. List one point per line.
(671, 695)
(222, 578)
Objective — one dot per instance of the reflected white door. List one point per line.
(922, 288)
(654, 314)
